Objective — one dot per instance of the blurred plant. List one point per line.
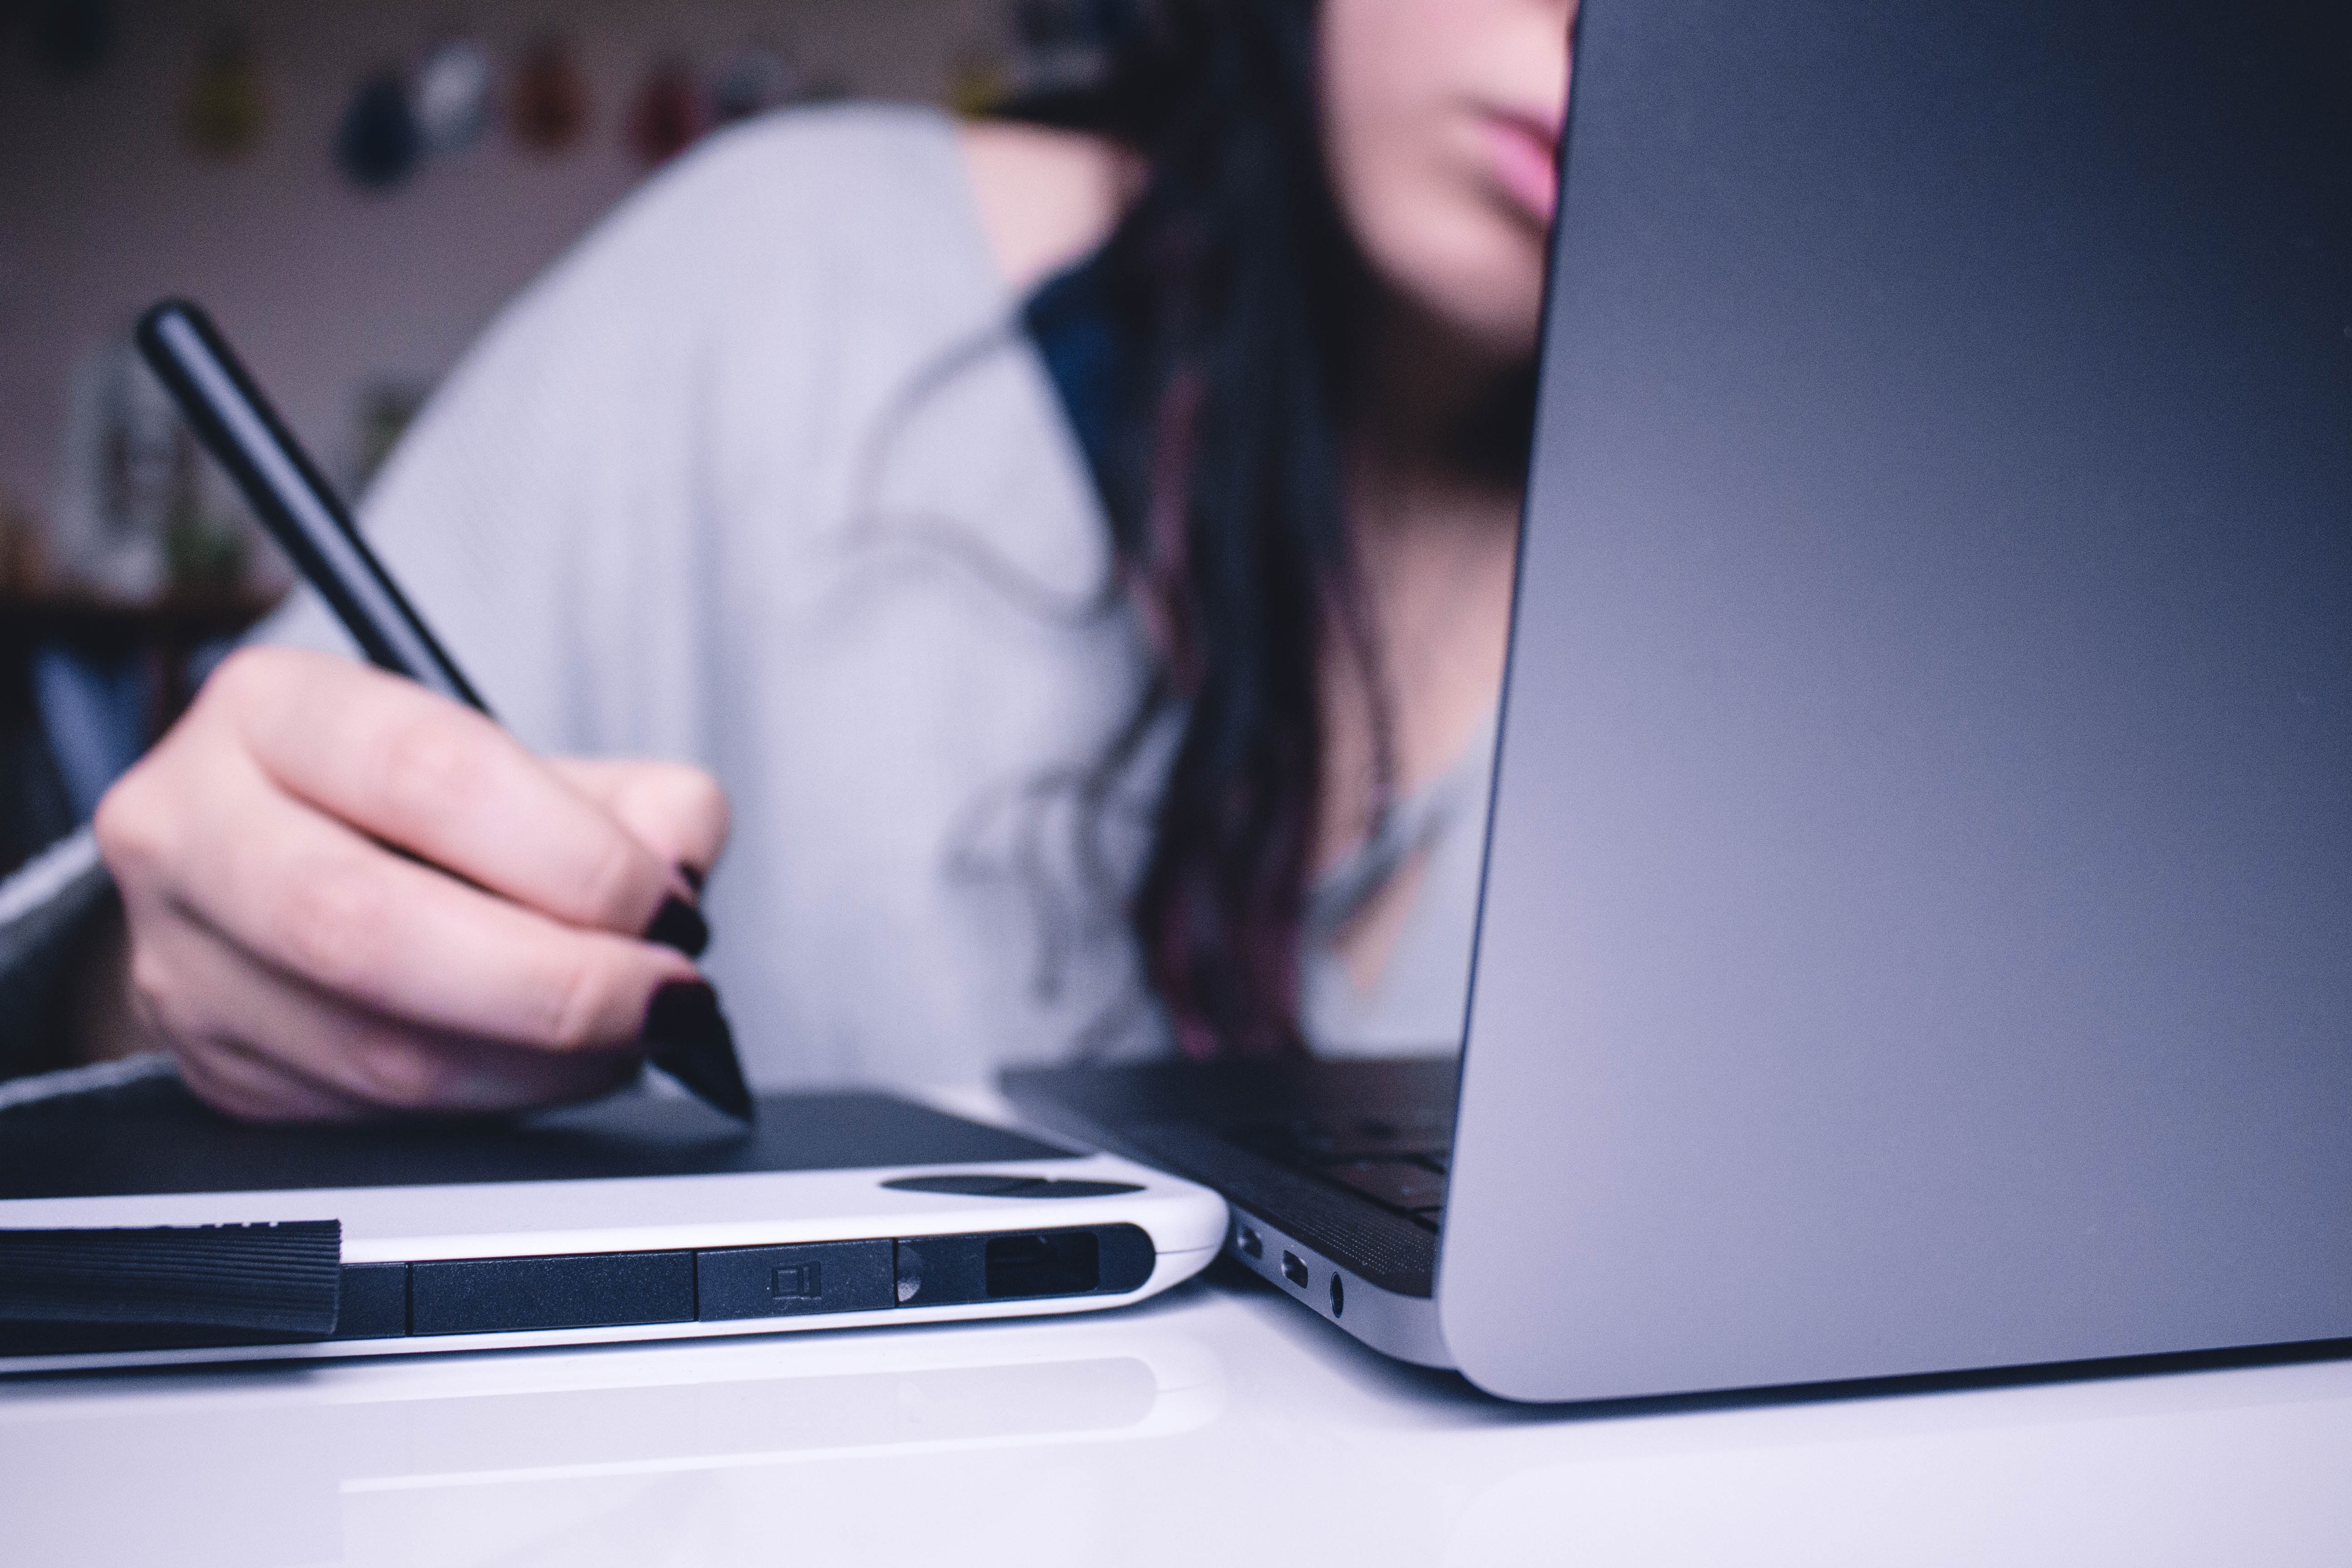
(128, 468)
(977, 82)
(386, 409)
(226, 108)
(204, 554)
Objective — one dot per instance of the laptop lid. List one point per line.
(1917, 925)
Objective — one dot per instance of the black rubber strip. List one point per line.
(274, 1278)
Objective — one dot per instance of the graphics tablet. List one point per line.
(637, 1217)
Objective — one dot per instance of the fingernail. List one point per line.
(680, 925)
(693, 875)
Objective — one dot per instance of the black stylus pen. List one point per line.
(686, 1032)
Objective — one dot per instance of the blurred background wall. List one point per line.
(107, 201)
(302, 169)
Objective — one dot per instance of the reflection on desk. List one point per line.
(277, 1458)
(1219, 1424)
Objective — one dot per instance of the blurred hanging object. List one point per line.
(226, 110)
(377, 144)
(666, 116)
(1061, 61)
(24, 547)
(976, 83)
(71, 38)
(452, 96)
(752, 81)
(384, 410)
(547, 105)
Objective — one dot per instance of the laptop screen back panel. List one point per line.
(1917, 930)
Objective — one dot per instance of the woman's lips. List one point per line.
(1522, 155)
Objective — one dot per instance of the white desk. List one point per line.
(1219, 1425)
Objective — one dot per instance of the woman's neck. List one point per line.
(1433, 503)
(1437, 407)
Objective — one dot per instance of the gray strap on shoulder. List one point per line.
(1407, 827)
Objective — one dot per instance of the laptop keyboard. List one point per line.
(1399, 1163)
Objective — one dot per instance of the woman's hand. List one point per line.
(348, 897)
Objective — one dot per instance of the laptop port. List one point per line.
(1293, 1270)
(1339, 1297)
(1251, 1246)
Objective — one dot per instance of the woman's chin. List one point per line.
(1482, 277)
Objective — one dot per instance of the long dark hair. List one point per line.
(1234, 300)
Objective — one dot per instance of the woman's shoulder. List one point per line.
(981, 208)
(849, 157)
(797, 190)
(750, 271)
(1044, 197)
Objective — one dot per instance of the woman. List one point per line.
(1082, 561)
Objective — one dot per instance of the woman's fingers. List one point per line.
(200, 833)
(678, 812)
(291, 941)
(252, 1089)
(415, 770)
(316, 1058)
(321, 901)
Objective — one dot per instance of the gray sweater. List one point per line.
(765, 476)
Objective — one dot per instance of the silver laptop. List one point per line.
(1916, 934)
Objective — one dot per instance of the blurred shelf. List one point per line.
(95, 624)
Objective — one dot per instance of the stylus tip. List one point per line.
(688, 1037)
